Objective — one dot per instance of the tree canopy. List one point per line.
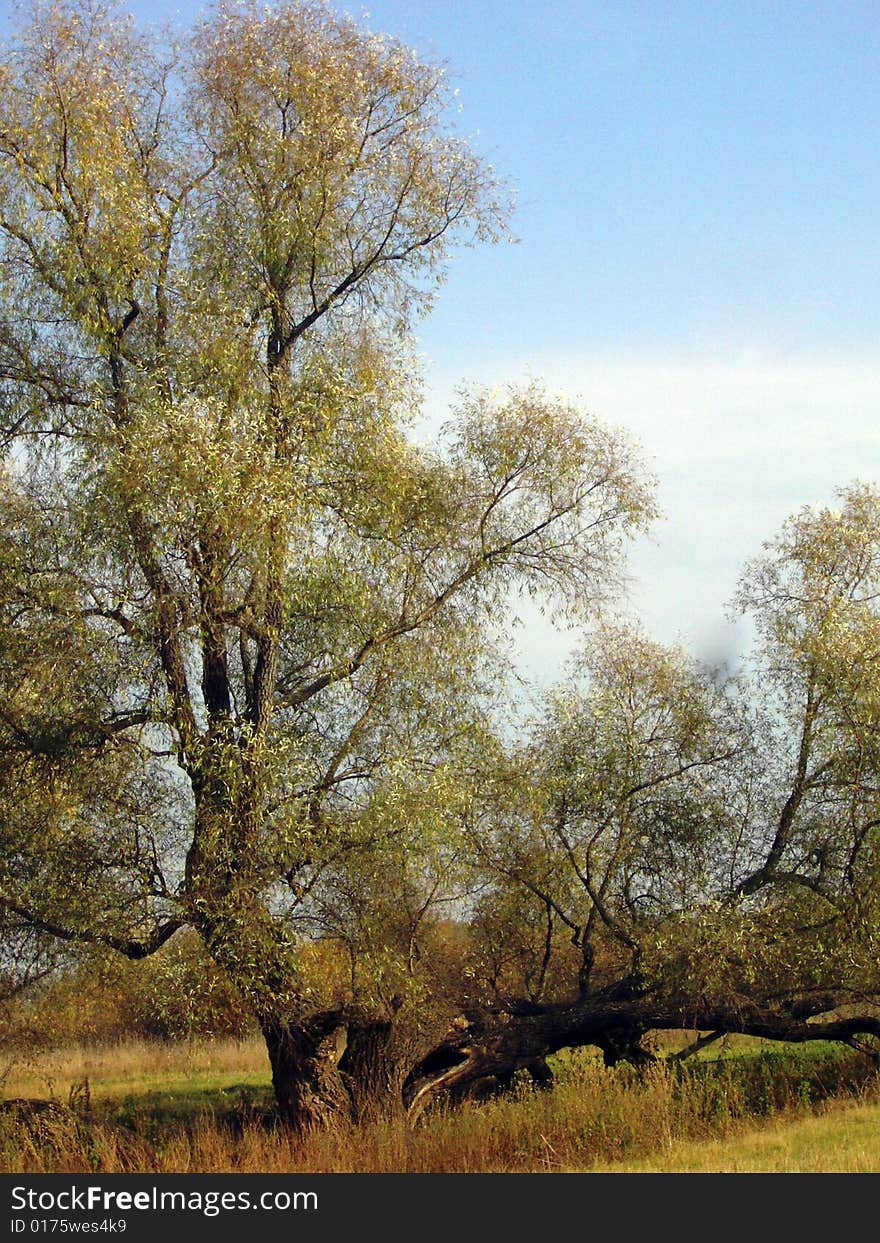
(240, 603)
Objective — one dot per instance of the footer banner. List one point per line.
(262, 1208)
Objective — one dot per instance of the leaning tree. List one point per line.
(674, 848)
(237, 598)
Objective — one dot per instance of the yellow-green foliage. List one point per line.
(178, 993)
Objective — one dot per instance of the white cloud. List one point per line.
(737, 442)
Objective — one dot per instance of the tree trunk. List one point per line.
(374, 1069)
(309, 1090)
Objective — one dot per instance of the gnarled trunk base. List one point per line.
(304, 1057)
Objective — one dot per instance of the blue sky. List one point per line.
(698, 256)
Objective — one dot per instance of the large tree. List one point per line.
(239, 603)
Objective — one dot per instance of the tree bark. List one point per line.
(309, 1089)
(374, 1069)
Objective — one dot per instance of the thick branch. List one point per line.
(130, 947)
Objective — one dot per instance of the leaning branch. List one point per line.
(499, 1042)
(129, 947)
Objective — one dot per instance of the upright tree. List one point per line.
(236, 597)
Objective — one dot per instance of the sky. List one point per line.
(697, 257)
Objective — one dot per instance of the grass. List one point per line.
(137, 1066)
(844, 1140)
(206, 1108)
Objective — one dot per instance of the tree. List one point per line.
(238, 602)
(708, 847)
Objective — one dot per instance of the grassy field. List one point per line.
(207, 1108)
(845, 1139)
(144, 1082)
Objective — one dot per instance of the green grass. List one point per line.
(137, 1066)
(150, 1087)
(150, 1112)
(845, 1140)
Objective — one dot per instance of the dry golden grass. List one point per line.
(135, 1065)
(183, 1116)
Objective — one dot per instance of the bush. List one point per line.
(176, 994)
